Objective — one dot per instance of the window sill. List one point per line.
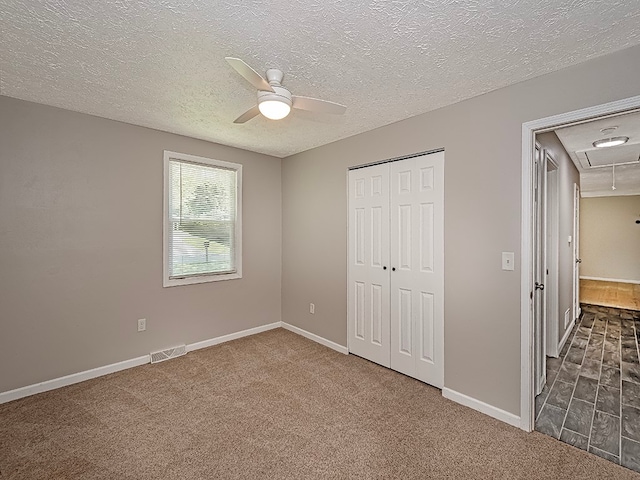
(176, 282)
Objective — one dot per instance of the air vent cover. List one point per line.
(157, 357)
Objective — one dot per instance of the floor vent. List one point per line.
(157, 357)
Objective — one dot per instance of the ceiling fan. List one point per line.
(274, 100)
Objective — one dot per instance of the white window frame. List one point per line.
(214, 277)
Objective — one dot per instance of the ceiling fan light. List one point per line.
(274, 109)
(610, 142)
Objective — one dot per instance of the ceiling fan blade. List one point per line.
(253, 77)
(317, 105)
(248, 115)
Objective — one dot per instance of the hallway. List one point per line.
(592, 396)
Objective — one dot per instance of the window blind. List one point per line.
(202, 219)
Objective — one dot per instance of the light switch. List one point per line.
(507, 260)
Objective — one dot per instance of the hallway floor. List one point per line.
(592, 396)
(610, 294)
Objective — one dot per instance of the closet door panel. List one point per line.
(368, 260)
(417, 255)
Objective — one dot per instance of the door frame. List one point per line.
(529, 129)
(575, 248)
(552, 249)
(540, 266)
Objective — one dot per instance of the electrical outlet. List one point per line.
(142, 324)
(312, 308)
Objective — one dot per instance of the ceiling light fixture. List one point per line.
(274, 109)
(609, 130)
(274, 105)
(610, 142)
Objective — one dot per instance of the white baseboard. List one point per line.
(482, 407)
(116, 367)
(232, 336)
(618, 280)
(566, 336)
(134, 362)
(315, 338)
(71, 379)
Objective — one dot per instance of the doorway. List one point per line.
(529, 131)
(589, 386)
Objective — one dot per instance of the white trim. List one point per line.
(116, 367)
(231, 336)
(566, 335)
(482, 407)
(526, 282)
(348, 325)
(71, 379)
(608, 194)
(575, 239)
(552, 229)
(618, 280)
(316, 338)
(135, 362)
(526, 255)
(193, 279)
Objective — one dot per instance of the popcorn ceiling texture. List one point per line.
(160, 63)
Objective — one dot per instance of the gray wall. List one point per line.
(568, 175)
(81, 245)
(610, 237)
(482, 138)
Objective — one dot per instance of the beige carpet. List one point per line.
(273, 405)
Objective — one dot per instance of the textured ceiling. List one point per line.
(160, 63)
(596, 182)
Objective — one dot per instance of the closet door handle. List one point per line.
(393, 269)
(384, 268)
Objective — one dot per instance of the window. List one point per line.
(202, 220)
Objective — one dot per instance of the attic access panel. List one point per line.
(600, 157)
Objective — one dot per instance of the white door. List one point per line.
(540, 267)
(368, 263)
(395, 271)
(576, 251)
(417, 267)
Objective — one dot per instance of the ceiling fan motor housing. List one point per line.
(280, 94)
(274, 76)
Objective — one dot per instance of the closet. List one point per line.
(396, 265)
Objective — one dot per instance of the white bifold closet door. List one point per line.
(368, 296)
(395, 270)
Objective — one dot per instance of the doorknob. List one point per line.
(539, 286)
